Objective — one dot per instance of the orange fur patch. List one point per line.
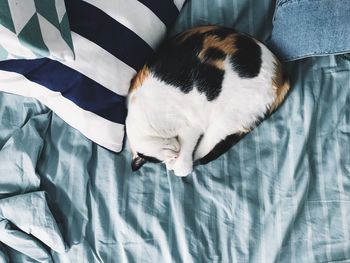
(226, 45)
(139, 78)
(196, 30)
(244, 131)
(218, 63)
(280, 85)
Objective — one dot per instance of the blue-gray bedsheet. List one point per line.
(282, 194)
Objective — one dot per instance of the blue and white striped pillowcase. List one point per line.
(112, 40)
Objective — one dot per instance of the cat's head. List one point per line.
(145, 143)
(149, 148)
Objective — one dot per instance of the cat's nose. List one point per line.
(169, 154)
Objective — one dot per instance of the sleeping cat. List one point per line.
(204, 90)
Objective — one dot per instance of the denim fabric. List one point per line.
(305, 28)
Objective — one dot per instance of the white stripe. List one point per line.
(277, 188)
(327, 242)
(10, 42)
(262, 199)
(179, 3)
(175, 219)
(21, 13)
(291, 184)
(230, 190)
(57, 47)
(344, 219)
(135, 16)
(321, 182)
(101, 66)
(246, 228)
(60, 9)
(104, 132)
(306, 125)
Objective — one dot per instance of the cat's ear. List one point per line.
(137, 163)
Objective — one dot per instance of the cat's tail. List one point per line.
(281, 86)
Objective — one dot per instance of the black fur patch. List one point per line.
(209, 81)
(213, 54)
(149, 158)
(247, 59)
(222, 147)
(176, 62)
(137, 163)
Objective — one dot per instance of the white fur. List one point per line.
(165, 123)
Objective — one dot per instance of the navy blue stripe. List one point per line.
(166, 10)
(83, 91)
(95, 25)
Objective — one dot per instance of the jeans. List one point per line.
(305, 28)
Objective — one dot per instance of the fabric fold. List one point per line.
(27, 226)
(25, 230)
(19, 157)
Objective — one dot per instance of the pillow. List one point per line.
(112, 41)
(34, 28)
(305, 28)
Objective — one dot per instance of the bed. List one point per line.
(282, 194)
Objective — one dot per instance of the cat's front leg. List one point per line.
(188, 139)
(183, 167)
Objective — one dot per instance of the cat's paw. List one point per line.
(169, 163)
(182, 169)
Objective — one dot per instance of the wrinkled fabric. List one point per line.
(281, 195)
(26, 223)
(19, 155)
(35, 219)
(3, 255)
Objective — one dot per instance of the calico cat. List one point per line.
(205, 89)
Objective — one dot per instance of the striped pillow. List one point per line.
(112, 40)
(33, 29)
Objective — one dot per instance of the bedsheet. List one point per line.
(282, 194)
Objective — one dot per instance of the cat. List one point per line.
(203, 91)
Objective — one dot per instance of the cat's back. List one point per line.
(212, 64)
(200, 58)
